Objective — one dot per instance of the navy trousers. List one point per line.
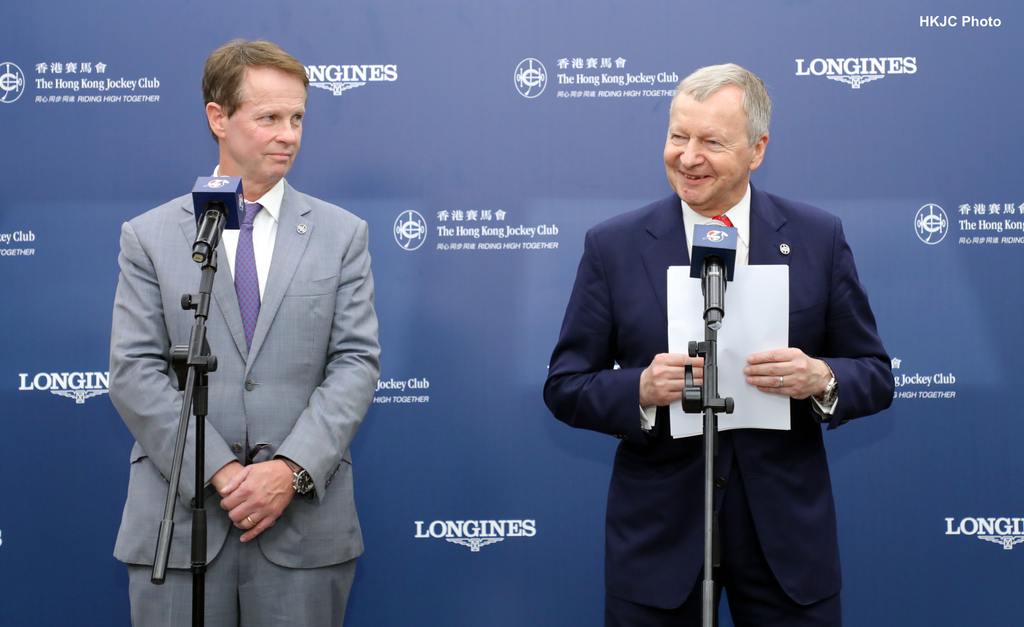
(755, 597)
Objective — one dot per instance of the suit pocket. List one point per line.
(137, 453)
(313, 287)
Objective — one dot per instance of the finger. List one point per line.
(774, 381)
(669, 376)
(263, 525)
(769, 369)
(235, 481)
(672, 359)
(760, 358)
(241, 494)
(774, 355)
(239, 514)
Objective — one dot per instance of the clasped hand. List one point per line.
(254, 496)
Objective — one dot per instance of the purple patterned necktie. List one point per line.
(247, 285)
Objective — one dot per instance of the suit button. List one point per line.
(719, 482)
(236, 448)
(250, 385)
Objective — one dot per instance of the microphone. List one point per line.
(713, 260)
(215, 200)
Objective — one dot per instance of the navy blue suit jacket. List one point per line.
(617, 315)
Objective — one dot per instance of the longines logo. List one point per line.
(1004, 531)
(856, 71)
(475, 534)
(338, 79)
(78, 386)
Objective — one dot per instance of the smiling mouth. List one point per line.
(695, 177)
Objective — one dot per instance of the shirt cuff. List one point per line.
(647, 417)
(823, 410)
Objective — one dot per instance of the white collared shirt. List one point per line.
(264, 233)
(739, 215)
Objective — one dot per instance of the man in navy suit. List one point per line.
(610, 372)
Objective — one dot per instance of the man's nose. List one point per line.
(288, 133)
(691, 154)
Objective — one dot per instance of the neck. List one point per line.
(253, 190)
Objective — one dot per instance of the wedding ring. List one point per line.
(251, 521)
(781, 381)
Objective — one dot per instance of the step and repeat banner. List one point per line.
(480, 141)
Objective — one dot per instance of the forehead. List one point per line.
(722, 110)
(266, 85)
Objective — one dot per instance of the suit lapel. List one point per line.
(223, 285)
(666, 247)
(766, 230)
(294, 228)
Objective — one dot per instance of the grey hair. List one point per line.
(704, 82)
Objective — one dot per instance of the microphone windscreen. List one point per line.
(713, 240)
(226, 190)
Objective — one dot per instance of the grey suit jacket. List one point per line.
(301, 391)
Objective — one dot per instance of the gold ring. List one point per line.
(251, 521)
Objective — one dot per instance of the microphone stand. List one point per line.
(696, 399)
(192, 363)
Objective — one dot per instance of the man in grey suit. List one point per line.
(298, 362)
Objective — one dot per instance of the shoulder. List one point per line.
(655, 216)
(174, 210)
(328, 214)
(797, 213)
(161, 224)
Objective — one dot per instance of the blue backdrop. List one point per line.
(480, 141)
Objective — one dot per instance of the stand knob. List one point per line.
(692, 394)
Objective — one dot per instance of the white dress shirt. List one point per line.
(264, 233)
(739, 215)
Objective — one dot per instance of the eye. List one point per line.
(679, 139)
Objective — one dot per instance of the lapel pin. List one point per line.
(301, 229)
(784, 249)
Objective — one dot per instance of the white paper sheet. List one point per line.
(756, 319)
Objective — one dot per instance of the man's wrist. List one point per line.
(302, 483)
(292, 466)
(828, 394)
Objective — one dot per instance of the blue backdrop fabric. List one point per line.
(480, 141)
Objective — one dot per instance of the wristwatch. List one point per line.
(302, 483)
(828, 397)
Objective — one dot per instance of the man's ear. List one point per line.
(759, 149)
(217, 119)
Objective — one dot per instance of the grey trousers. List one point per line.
(244, 589)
